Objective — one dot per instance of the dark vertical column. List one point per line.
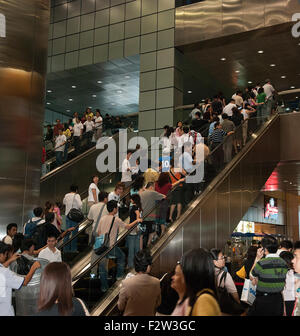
(23, 61)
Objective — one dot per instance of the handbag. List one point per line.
(249, 292)
(241, 273)
(75, 215)
(93, 238)
(102, 242)
(227, 303)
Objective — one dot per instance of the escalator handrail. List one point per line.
(177, 224)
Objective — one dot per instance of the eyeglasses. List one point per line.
(222, 258)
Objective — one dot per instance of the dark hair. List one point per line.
(38, 211)
(74, 188)
(17, 241)
(138, 183)
(102, 195)
(198, 114)
(111, 205)
(199, 273)
(142, 260)
(235, 110)
(10, 226)
(224, 116)
(168, 133)
(250, 258)
(251, 253)
(261, 90)
(287, 257)
(186, 129)
(214, 252)
(26, 244)
(286, 244)
(52, 235)
(206, 115)
(297, 245)
(4, 247)
(56, 284)
(171, 129)
(120, 185)
(49, 217)
(137, 200)
(217, 123)
(166, 127)
(163, 179)
(150, 184)
(130, 151)
(94, 177)
(195, 105)
(270, 243)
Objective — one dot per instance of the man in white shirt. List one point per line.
(60, 142)
(98, 124)
(89, 126)
(238, 98)
(77, 133)
(196, 109)
(269, 91)
(117, 193)
(126, 169)
(228, 108)
(185, 137)
(72, 200)
(11, 231)
(51, 253)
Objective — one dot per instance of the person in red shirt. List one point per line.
(57, 127)
(164, 186)
(44, 156)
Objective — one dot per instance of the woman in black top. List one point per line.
(237, 118)
(133, 240)
(56, 293)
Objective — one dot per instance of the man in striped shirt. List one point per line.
(268, 274)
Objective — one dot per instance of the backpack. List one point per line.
(23, 265)
(40, 236)
(30, 228)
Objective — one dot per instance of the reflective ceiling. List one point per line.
(237, 61)
(112, 87)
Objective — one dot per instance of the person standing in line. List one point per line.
(113, 224)
(59, 148)
(11, 231)
(117, 194)
(72, 200)
(228, 108)
(58, 127)
(51, 253)
(268, 274)
(98, 124)
(140, 295)
(195, 110)
(89, 128)
(238, 98)
(269, 91)
(77, 135)
(227, 126)
(93, 191)
(56, 293)
(126, 169)
(261, 103)
(67, 133)
(289, 288)
(10, 280)
(285, 245)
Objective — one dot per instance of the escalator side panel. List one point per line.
(215, 229)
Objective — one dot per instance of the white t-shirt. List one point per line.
(238, 99)
(193, 113)
(91, 196)
(95, 211)
(72, 200)
(166, 145)
(8, 281)
(98, 122)
(50, 256)
(185, 138)
(245, 114)
(7, 240)
(228, 109)
(268, 88)
(89, 126)
(289, 288)
(77, 129)
(58, 143)
(112, 196)
(126, 175)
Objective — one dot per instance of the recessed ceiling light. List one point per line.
(249, 82)
(73, 86)
(190, 91)
(70, 99)
(260, 51)
(283, 77)
(272, 65)
(94, 96)
(223, 59)
(48, 103)
(113, 104)
(237, 71)
(292, 87)
(49, 91)
(297, 97)
(99, 82)
(203, 99)
(68, 110)
(90, 107)
(127, 76)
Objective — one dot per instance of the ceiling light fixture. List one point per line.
(99, 82)
(94, 96)
(48, 103)
(272, 65)
(73, 86)
(70, 99)
(127, 76)
(223, 59)
(237, 71)
(190, 91)
(49, 91)
(260, 51)
(283, 77)
(292, 87)
(249, 82)
(68, 110)
(113, 104)
(119, 91)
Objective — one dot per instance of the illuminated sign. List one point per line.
(2, 26)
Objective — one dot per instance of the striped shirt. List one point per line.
(271, 273)
(217, 135)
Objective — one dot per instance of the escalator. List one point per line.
(208, 220)
(78, 170)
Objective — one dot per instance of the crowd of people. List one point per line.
(81, 132)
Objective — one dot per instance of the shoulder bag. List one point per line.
(93, 239)
(75, 215)
(102, 242)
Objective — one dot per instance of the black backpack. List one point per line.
(23, 265)
(40, 236)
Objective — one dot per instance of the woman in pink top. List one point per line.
(178, 284)
(178, 126)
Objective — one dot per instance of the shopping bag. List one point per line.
(249, 292)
